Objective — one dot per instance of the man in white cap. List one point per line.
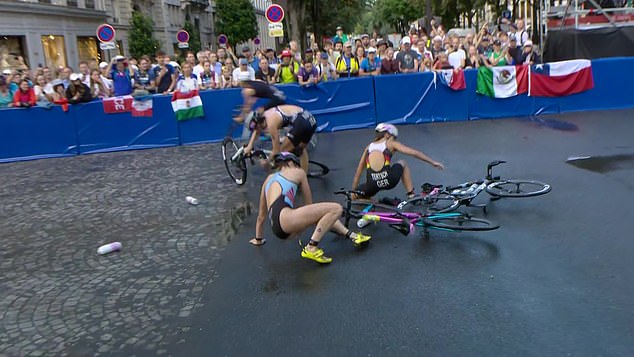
(407, 58)
(347, 64)
(244, 72)
(371, 65)
(529, 56)
(104, 69)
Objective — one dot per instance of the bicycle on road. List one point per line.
(405, 222)
(438, 199)
(236, 159)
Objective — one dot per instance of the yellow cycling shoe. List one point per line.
(317, 255)
(360, 238)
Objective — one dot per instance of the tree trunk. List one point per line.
(292, 18)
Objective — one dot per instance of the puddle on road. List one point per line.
(229, 225)
(554, 123)
(603, 164)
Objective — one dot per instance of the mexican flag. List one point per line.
(502, 81)
(187, 105)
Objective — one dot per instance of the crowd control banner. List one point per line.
(36, 133)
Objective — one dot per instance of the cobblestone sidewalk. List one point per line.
(58, 297)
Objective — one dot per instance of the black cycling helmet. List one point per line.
(254, 118)
(286, 156)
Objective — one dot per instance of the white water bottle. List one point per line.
(109, 248)
(362, 223)
(191, 200)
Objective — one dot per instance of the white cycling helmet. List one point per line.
(385, 127)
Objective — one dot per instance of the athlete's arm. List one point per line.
(357, 174)
(396, 146)
(273, 123)
(259, 224)
(254, 135)
(305, 188)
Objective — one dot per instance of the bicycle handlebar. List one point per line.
(349, 193)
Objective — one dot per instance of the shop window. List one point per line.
(88, 49)
(54, 51)
(12, 53)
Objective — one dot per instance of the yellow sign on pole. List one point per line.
(276, 29)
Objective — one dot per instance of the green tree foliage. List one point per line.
(141, 41)
(194, 36)
(398, 13)
(236, 19)
(321, 17)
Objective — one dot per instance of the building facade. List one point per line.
(58, 33)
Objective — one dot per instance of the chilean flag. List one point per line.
(560, 78)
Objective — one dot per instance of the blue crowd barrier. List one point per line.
(417, 98)
(101, 132)
(216, 123)
(337, 105)
(612, 80)
(35, 133)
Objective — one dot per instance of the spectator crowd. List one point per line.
(340, 57)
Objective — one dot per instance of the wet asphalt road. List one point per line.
(555, 279)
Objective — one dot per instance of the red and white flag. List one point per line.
(560, 78)
(142, 106)
(452, 78)
(115, 105)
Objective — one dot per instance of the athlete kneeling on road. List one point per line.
(381, 174)
(277, 197)
(302, 123)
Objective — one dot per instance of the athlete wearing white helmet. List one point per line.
(381, 173)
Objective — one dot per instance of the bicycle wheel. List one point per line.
(518, 188)
(235, 164)
(316, 169)
(441, 202)
(459, 222)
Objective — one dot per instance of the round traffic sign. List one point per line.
(182, 36)
(105, 33)
(222, 39)
(274, 13)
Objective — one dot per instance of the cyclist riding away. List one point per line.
(277, 197)
(381, 173)
(302, 127)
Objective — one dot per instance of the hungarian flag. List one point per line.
(452, 78)
(502, 81)
(115, 105)
(560, 78)
(142, 106)
(187, 105)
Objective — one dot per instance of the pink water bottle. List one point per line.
(109, 248)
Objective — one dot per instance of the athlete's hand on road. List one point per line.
(438, 165)
(257, 242)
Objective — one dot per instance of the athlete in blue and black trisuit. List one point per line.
(302, 127)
